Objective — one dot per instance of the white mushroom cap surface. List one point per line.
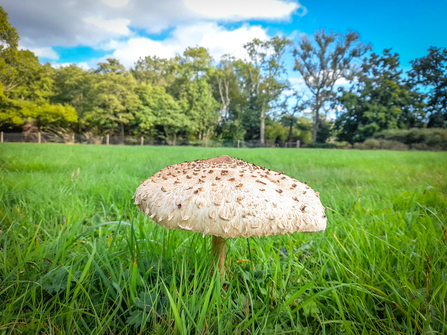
(229, 197)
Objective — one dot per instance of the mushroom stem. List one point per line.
(218, 252)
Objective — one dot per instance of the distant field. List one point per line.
(69, 263)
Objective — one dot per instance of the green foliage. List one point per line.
(24, 78)
(155, 71)
(9, 42)
(233, 130)
(381, 100)
(381, 144)
(158, 109)
(431, 72)
(113, 99)
(416, 138)
(9, 38)
(26, 92)
(324, 130)
(73, 86)
(264, 80)
(321, 145)
(193, 98)
(78, 257)
(324, 61)
(198, 105)
(304, 125)
(275, 132)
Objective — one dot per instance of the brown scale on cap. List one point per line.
(233, 204)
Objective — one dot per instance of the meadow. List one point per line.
(77, 257)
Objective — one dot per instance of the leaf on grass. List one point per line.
(311, 309)
(284, 252)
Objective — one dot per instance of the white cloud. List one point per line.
(236, 10)
(82, 65)
(342, 82)
(217, 39)
(45, 52)
(94, 22)
(116, 3)
(117, 26)
(130, 51)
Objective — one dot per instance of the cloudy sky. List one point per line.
(88, 31)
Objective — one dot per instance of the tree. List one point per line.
(330, 58)
(380, 100)
(9, 41)
(199, 107)
(266, 76)
(26, 86)
(224, 80)
(289, 117)
(27, 89)
(50, 116)
(431, 72)
(111, 66)
(158, 109)
(27, 79)
(193, 92)
(113, 99)
(196, 62)
(9, 38)
(72, 85)
(155, 71)
(229, 93)
(276, 133)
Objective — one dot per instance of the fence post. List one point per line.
(107, 139)
(238, 142)
(1, 136)
(142, 140)
(298, 144)
(39, 137)
(73, 138)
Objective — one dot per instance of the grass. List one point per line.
(78, 257)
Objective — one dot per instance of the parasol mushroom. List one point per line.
(227, 197)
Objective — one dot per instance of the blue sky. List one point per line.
(88, 31)
(408, 27)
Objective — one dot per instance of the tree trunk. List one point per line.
(289, 139)
(317, 120)
(122, 132)
(218, 252)
(262, 127)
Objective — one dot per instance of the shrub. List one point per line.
(359, 146)
(393, 145)
(373, 144)
(417, 138)
(329, 145)
(320, 145)
(343, 145)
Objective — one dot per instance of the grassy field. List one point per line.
(77, 257)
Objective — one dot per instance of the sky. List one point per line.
(86, 32)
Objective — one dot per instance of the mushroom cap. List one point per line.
(229, 197)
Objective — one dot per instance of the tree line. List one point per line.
(196, 98)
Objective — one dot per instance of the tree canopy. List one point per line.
(380, 100)
(193, 97)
